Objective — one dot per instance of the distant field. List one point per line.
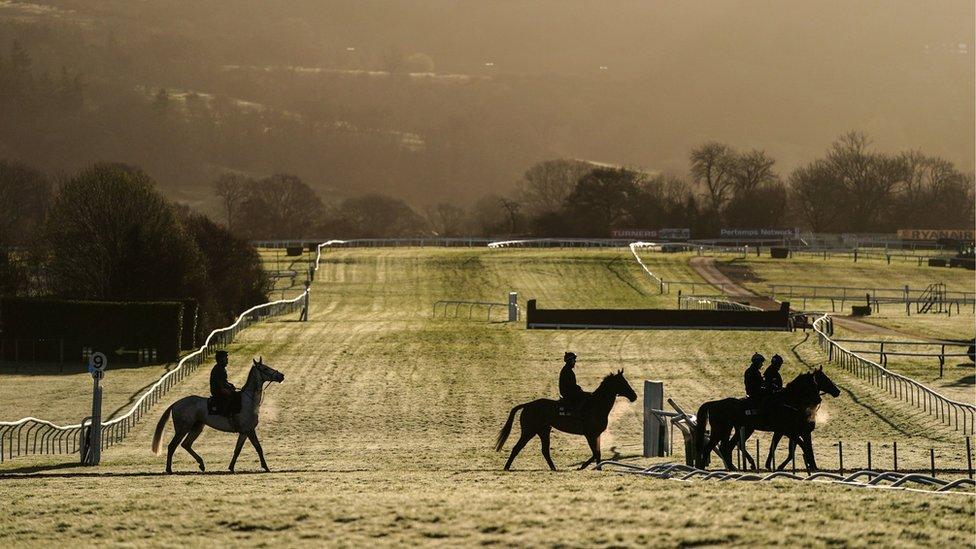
(382, 430)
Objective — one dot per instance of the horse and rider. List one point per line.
(788, 410)
(578, 413)
(228, 410)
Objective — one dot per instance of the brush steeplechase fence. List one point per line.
(959, 415)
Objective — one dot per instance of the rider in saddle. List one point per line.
(755, 388)
(571, 392)
(221, 390)
(774, 381)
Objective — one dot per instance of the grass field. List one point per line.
(382, 430)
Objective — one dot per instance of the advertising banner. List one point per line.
(935, 234)
(760, 233)
(661, 234)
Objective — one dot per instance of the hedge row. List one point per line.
(101, 325)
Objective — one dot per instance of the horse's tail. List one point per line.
(159, 428)
(507, 428)
(702, 419)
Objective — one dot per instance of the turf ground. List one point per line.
(382, 430)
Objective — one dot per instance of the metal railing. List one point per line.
(713, 303)
(445, 304)
(959, 415)
(883, 353)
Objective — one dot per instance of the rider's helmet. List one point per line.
(776, 361)
(569, 356)
(758, 359)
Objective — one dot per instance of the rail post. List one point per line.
(512, 307)
(654, 428)
(969, 459)
(840, 455)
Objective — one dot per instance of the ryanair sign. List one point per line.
(935, 234)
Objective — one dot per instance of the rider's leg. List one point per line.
(241, 437)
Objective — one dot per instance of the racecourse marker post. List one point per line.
(91, 445)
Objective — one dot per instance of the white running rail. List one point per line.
(958, 415)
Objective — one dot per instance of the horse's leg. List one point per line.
(241, 437)
(771, 458)
(544, 436)
(178, 435)
(744, 434)
(188, 443)
(253, 437)
(808, 456)
(790, 455)
(706, 452)
(594, 442)
(522, 441)
(725, 447)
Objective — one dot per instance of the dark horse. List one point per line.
(540, 416)
(790, 412)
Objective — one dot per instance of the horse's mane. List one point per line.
(798, 381)
(606, 380)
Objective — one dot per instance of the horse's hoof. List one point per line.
(202, 468)
(169, 471)
(267, 469)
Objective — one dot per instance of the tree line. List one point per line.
(107, 233)
(851, 189)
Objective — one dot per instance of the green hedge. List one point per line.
(102, 325)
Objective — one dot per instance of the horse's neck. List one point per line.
(253, 387)
(603, 399)
(801, 395)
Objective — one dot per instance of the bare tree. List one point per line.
(752, 170)
(713, 165)
(446, 219)
(232, 189)
(546, 185)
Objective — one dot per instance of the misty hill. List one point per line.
(458, 98)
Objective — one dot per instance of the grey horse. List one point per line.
(190, 415)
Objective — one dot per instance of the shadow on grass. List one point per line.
(85, 472)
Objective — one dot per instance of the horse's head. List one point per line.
(620, 386)
(266, 373)
(824, 383)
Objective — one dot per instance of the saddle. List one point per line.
(225, 406)
(570, 408)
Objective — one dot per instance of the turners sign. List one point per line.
(935, 234)
(663, 234)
